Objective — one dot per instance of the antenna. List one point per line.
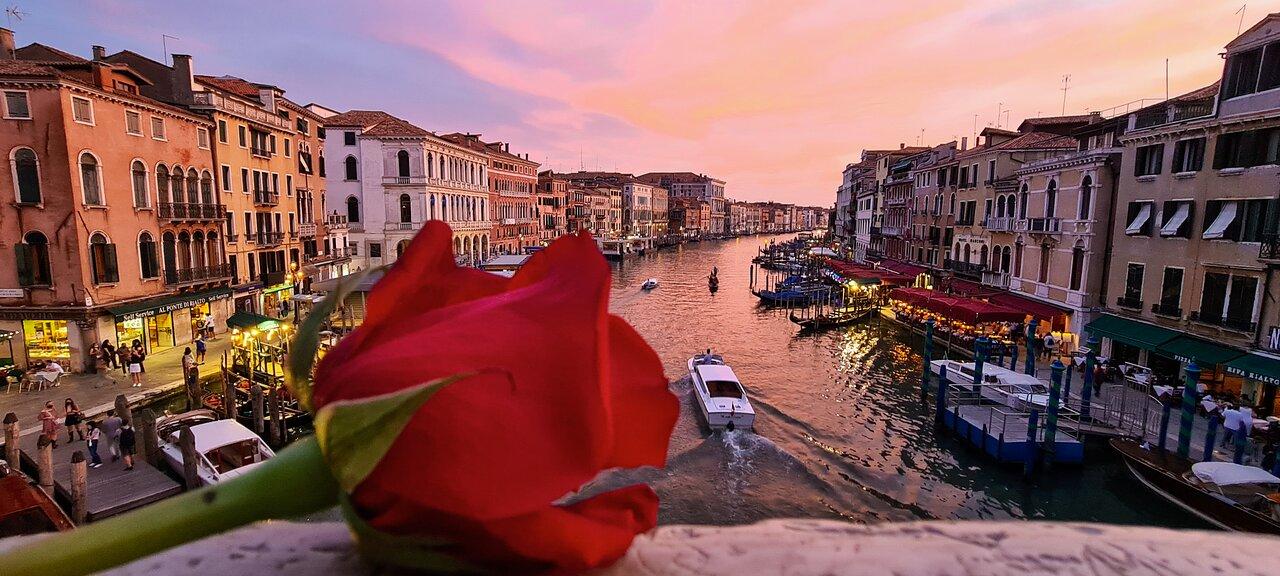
(1066, 85)
(999, 112)
(1240, 26)
(1166, 79)
(164, 41)
(13, 12)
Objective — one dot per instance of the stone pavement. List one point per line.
(96, 393)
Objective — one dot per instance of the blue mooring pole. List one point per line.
(941, 400)
(1165, 410)
(1030, 367)
(1188, 409)
(1029, 465)
(1066, 386)
(979, 355)
(928, 359)
(1051, 411)
(1090, 364)
(1241, 439)
(1211, 438)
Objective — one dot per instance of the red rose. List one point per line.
(562, 391)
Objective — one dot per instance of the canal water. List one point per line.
(840, 431)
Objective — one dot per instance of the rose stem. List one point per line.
(294, 483)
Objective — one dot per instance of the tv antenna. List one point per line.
(13, 12)
(1066, 85)
(164, 41)
(1241, 11)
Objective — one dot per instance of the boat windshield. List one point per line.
(724, 389)
(234, 455)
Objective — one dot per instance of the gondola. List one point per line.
(835, 319)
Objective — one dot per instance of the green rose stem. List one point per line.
(296, 482)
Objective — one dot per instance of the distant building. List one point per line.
(690, 185)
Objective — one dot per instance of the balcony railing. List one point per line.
(999, 224)
(1171, 310)
(335, 221)
(1040, 225)
(266, 198)
(404, 180)
(307, 229)
(1237, 324)
(1174, 113)
(1129, 302)
(891, 231)
(271, 238)
(189, 211)
(260, 152)
(392, 226)
(997, 279)
(966, 268)
(233, 238)
(1270, 249)
(214, 273)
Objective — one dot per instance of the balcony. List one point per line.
(891, 231)
(1236, 324)
(187, 212)
(271, 238)
(265, 198)
(404, 180)
(335, 221)
(1270, 248)
(233, 238)
(395, 226)
(895, 202)
(970, 269)
(999, 224)
(1129, 302)
(232, 106)
(876, 231)
(1174, 113)
(334, 255)
(996, 279)
(1039, 225)
(307, 230)
(214, 273)
(260, 152)
(1167, 309)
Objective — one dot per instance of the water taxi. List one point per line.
(1004, 386)
(649, 284)
(720, 396)
(226, 448)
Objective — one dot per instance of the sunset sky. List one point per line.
(773, 97)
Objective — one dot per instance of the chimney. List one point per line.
(964, 143)
(182, 79)
(99, 53)
(902, 145)
(6, 44)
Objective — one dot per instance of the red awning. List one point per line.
(967, 310)
(903, 268)
(968, 288)
(1035, 308)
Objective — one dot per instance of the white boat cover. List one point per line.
(219, 433)
(1228, 474)
(822, 251)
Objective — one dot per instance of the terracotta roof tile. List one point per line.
(377, 123)
(42, 53)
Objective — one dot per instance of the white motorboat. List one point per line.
(720, 396)
(649, 284)
(227, 449)
(1004, 386)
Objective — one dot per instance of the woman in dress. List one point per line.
(49, 423)
(73, 420)
(135, 368)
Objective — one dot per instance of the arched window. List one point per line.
(951, 209)
(1046, 252)
(442, 176)
(353, 209)
(33, 260)
(983, 254)
(170, 254)
(1000, 207)
(184, 251)
(1022, 202)
(197, 250)
(26, 173)
(162, 183)
(102, 257)
(406, 208)
(206, 187)
(1017, 259)
(175, 191)
(1086, 199)
(432, 209)
(147, 261)
(91, 180)
(193, 186)
(401, 246)
(1051, 200)
(140, 197)
(1004, 259)
(967, 253)
(1077, 266)
(431, 166)
(402, 163)
(350, 165)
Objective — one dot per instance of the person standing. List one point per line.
(111, 429)
(1050, 346)
(108, 353)
(209, 325)
(122, 356)
(1231, 419)
(73, 419)
(128, 444)
(49, 423)
(188, 360)
(95, 435)
(140, 355)
(201, 347)
(91, 363)
(135, 368)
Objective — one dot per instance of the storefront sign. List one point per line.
(1249, 374)
(12, 293)
(171, 305)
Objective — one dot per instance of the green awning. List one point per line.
(1204, 352)
(1140, 334)
(1256, 366)
(248, 320)
(164, 304)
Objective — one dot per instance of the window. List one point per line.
(1247, 149)
(1051, 200)
(1149, 160)
(406, 210)
(33, 260)
(288, 146)
(349, 138)
(303, 126)
(1171, 292)
(82, 110)
(26, 173)
(1139, 219)
(244, 180)
(350, 165)
(1188, 155)
(1236, 220)
(102, 258)
(244, 136)
(202, 138)
(991, 170)
(90, 180)
(157, 128)
(1046, 254)
(226, 178)
(1176, 218)
(147, 260)
(1228, 300)
(402, 163)
(964, 176)
(1022, 202)
(1133, 285)
(1086, 199)
(1077, 267)
(288, 184)
(132, 123)
(16, 106)
(139, 173)
(353, 209)
(1242, 73)
(222, 131)
(375, 249)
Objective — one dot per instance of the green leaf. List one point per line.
(356, 434)
(420, 553)
(302, 353)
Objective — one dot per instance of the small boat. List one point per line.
(720, 396)
(832, 320)
(25, 508)
(1004, 386)
(649, 284)
(227, 449)
(1229, 496)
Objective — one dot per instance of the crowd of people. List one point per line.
(117, 432)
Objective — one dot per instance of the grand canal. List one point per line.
(841, 432)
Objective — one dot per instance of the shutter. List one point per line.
(22, 254)
(110, 268)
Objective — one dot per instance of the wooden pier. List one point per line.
(1003, 436)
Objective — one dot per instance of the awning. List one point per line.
(1220, 224)
(1204, 352)
(1256, 366)
(903, 267)
(165, 304)
(1034, 308)
(1140, 334)
(248, 320)
(1139, 220)
(1175, 221)
(277, 288)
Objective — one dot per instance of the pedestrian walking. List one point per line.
(95, 436)
(73, 419)
(111, 430)
(128, 444)
(49, 423)
(1050, 346)
(135, 368)
(201, 347)
(209, 326)
(122, 356)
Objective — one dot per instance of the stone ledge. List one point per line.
(793, 547)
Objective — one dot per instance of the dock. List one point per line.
(1002, 434)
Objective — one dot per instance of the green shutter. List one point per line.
(111, 269)
(22, 255)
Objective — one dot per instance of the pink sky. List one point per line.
(776, 97)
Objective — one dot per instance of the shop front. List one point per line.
(1211, 358)
(276, 300)
(162, 323)
(1260, 376)
(47, 340)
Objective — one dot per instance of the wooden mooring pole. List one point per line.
(255, 399)
(44, 464)
(190, 458)
(229, 394)
(277, 424)
(149, 443)
(79, 487)
(11, 433)
(928, 360)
